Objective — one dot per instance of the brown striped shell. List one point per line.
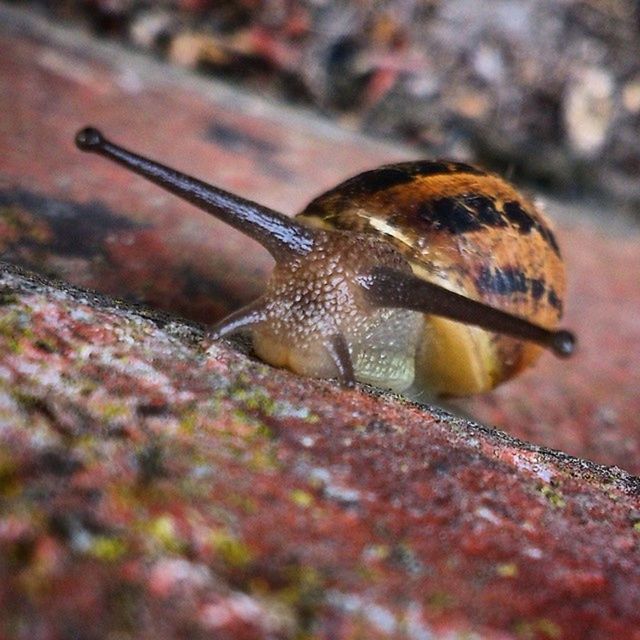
(469, 231)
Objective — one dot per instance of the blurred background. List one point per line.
(547, 91)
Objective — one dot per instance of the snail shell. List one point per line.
(471, 232)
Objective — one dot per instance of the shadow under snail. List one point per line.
(430, 273)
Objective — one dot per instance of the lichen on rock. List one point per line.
(161, 483)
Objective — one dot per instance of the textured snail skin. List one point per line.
(429, 274)
(313, 298)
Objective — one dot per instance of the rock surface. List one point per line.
(155, 485)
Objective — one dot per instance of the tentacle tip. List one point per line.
(563, 343)
(89, 139)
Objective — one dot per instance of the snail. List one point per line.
(435, 274)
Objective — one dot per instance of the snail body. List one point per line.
(471, 232)
(430, 273)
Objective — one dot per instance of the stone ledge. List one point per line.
(159, 486)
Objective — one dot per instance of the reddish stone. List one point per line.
(157, 486)
(167, 492)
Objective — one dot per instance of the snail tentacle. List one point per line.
(390, 288)
(282, 236)
(244, 318)
(339, 351)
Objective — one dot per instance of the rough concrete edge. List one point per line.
(191, 334)
(624, 481)
(32, 282)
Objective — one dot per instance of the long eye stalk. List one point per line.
(280, 235)
(390, 288)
